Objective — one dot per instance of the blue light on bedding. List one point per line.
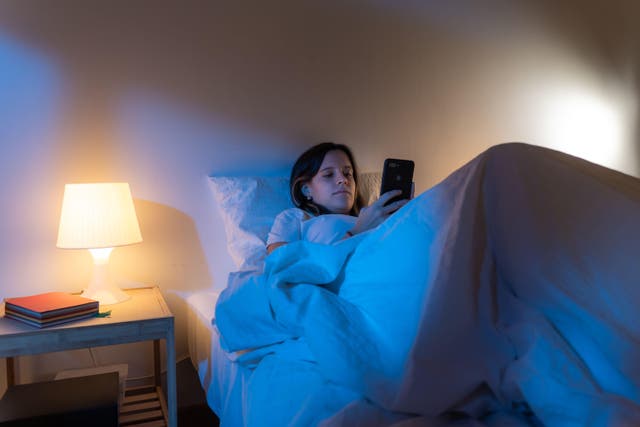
(503, 296)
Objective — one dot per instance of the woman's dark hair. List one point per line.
(307, 166)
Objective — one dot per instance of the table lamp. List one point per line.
(99, 217)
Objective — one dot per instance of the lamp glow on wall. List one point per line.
(99, 217)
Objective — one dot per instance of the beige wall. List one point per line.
(162, 94)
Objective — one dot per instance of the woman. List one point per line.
(324, 189)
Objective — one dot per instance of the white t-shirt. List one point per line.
(295, 224)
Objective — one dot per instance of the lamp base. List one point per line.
(101, 288)
(108, 296)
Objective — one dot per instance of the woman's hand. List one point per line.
(272, 247)
(375, 214)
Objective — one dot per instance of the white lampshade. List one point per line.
(99, 217)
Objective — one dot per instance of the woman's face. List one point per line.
(333, 186)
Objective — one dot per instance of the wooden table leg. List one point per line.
(11, 373)
(171, 378)
(156, 363)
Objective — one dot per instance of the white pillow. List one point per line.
(249, 204)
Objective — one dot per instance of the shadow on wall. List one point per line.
(170, 250)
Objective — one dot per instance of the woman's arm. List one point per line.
(375, 214)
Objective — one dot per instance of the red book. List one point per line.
(50, 304)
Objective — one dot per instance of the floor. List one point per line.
(193, 410)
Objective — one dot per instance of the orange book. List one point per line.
(50, 304)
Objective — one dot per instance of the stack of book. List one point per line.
(49, 309)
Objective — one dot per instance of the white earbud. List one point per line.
(307, 193)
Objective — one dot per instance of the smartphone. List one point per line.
(397, 174)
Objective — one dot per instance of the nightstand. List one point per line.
(144, 317)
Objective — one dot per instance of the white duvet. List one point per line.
(506, 295)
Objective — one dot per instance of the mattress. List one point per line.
(200, 329)
(222, 379)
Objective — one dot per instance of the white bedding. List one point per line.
(506, 295)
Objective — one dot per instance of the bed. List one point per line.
(505, 295)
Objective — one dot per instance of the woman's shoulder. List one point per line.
(286, 226)
(293, 214)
